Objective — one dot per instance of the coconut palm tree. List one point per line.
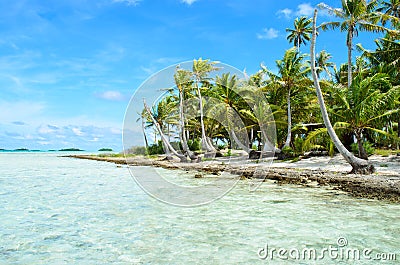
(164, 112)
(386, 52)
(291, 77)
(168, 148)
(301, 32)
(142, 117)
(390, 7)
(358, 165)
(364, 105)
(200, 70)
(355, 15)
(323, 63)
(183, 82)
(225, 106)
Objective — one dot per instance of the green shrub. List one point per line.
(288, 151)
(136, 150)
(229, 153)
(298, 146)
(367, 146)
(221, 146)
(194, 145)
(155, 149)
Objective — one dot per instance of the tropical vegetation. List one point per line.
(307, 104)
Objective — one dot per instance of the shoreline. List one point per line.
(316, 171)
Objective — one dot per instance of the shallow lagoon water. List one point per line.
(57, 210)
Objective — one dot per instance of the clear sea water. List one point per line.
(56, 210)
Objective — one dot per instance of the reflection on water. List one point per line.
(56, 210)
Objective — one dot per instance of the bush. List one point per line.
(229, 153)
(136, 150)
(288, 151)
(221, 146)
(194, 145)
(155, 149)
(298, 146)
(367, 146)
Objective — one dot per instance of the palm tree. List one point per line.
(387, 52)
(323, 63)
(201, 69)
(356, 15)
(301, 32)
(364, 105)
(390, 7)
(164, 112)
(225, 106)
(167, 145)
(183, 82)
(142, 117)
(358, 165)
(292, 76)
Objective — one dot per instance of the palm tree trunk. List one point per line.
(144, 134)
(398, 130)
(329, 74)
(168, 133)
(204, 143)
(358, 165)
(349, 57)
(239, 143)
(298, 44)
(185, 146)
(289, 129)
(167, 146)
(361, 150)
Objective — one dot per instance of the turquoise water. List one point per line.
(56, 210)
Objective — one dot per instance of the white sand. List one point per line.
(383, 165)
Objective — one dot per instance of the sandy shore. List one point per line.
(316, 171)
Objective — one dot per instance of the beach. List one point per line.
(384, 184)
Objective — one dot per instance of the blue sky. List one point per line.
(69, 67)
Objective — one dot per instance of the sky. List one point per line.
(69, 67)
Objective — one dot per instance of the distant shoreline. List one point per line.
(383, 185)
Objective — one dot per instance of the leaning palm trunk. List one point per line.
(184, 142)
(204, 142)
(144, 134)
(358, 165)
(289, 114)
(167, 146)
(361, 150)
(238, 142)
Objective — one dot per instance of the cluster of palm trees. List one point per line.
(310, 103)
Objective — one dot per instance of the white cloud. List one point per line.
(285, 12)
(77, 131)
(111, 95)
(189, 2)
(47, 129)
(268, 34)
(304, 9)
(128, 2)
